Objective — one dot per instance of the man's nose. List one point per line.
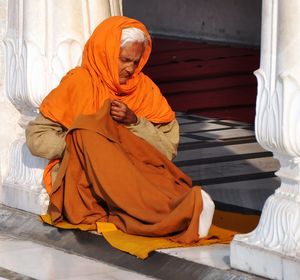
(130, 68)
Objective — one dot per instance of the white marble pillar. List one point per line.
(273, 248)
(44, 39)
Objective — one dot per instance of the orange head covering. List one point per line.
(84, 89)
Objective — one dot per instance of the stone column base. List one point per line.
(261, 261)
(24, 198)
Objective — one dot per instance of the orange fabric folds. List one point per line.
(84, 89)
(110, 175)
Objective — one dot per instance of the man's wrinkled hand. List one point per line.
(121, 113)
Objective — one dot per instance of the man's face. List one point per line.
(129, 59)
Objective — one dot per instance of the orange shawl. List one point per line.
(84, 89)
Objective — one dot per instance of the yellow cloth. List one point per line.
(225, 226)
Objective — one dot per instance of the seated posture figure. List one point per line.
(110, 137)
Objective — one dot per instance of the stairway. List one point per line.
(207, 79)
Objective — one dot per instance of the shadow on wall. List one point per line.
(232, 21)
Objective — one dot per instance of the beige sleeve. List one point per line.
(164, 137)
(45, 138)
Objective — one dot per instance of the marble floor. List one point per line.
(21, 259)
(213, 255)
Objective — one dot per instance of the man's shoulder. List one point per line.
(79, 74)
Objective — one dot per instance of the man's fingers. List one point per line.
(121, 113)
(118, 114)
(117, 111)
(117, 118)
(118, 108)
(116, 103)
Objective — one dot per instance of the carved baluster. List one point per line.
(273, 248)
(44, 40)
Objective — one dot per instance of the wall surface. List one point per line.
(8, 114)
(3, 11)
(236, 21)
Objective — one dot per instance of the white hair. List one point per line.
(132, 34)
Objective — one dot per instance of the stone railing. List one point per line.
(273, 248)
(44, 39)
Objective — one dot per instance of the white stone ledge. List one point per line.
(23, 197)
(261, 261)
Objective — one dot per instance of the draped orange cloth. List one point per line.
(84, 89)
(110, 175)
(107, 173)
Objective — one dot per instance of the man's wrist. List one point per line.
(134, 124)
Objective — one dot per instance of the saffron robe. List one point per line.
(109, 174)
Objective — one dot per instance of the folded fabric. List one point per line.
(108, 174)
